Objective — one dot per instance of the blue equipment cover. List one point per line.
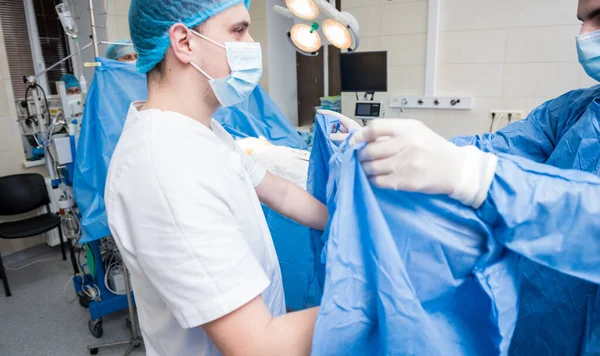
(550, 217)
(114, 87)
(410, 274)
(296, 260)
(260, 116)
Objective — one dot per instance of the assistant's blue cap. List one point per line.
(116, 51)
(70, 81)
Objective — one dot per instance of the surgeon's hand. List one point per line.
(347, 125)
(406, 155)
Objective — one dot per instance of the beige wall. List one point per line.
(117, 21)
(509, 54)
(258, 30)
(11, 148)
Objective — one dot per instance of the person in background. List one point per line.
(536, 184)
(122, 52)
(72, 85)
(183, 200)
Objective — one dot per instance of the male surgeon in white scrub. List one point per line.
(183, 201)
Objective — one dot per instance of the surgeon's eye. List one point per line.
(240, 29)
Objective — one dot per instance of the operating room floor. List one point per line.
(37, 320)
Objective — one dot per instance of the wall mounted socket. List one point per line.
(502, 118)
(512, 115)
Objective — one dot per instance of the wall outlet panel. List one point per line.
(432, 102)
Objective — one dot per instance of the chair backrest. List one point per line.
(22, 193)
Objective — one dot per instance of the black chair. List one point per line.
(20, 194)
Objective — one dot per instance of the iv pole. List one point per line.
(93, 22)
(135, 341)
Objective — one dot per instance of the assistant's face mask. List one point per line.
(588, 50)
(245, 61)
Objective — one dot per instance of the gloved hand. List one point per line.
(405, 155)
(347, 125)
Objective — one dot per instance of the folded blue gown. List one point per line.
(408, 273)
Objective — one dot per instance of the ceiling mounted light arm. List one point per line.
(283, 11)
(327, 8)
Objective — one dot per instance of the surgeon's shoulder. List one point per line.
(177, 143)
(175, 133)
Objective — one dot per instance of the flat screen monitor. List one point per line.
(364, 72)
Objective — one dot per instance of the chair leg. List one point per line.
(4, 279)
(62, 243)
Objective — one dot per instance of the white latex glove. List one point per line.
(347, 125)
(405, 155)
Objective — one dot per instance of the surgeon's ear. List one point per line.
(180, 38)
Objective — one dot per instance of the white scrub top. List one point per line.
(182, 208)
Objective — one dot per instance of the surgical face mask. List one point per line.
(588, 50)
(245, 61)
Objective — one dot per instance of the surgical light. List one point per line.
(304, 9)
(339, 28)
(337, 34)
(305, 37)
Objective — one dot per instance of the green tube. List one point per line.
(91, 261)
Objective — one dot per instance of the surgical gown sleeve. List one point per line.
(549, 215)
(544, 213)
(536, 136)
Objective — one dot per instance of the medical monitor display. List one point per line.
(364, 72)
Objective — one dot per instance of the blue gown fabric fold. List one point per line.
(318, 177)
(114, 87)
(544, 204)
(408, 273)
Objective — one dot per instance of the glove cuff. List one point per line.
(475, 176)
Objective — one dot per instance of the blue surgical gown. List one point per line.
(544, 204)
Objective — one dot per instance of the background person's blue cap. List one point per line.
(116, 51)
(150, 21)
(70, 81)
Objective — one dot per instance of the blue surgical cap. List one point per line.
(116, 51)
(70, 81)
(150, 21)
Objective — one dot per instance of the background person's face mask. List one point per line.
(245, 61)
(588, 50)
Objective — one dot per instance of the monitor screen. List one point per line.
(370, 109)
(364, 72)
